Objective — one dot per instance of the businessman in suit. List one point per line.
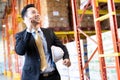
(26, 45)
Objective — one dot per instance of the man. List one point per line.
(26, 45)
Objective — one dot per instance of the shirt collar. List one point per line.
(39, 29)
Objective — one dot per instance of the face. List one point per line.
(32, 15)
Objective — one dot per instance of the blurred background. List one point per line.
(87, 28)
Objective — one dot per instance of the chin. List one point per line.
(38, 21)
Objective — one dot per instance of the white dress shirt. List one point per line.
(48, 58)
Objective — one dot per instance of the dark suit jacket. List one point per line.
(25, 45)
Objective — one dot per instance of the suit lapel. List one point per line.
(45, 34)
(47, 37)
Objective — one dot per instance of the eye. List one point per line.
(33, 12)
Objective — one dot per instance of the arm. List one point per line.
(57, 42)
(21, 42)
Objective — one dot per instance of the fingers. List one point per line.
(67, 62)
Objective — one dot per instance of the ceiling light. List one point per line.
(3, 25)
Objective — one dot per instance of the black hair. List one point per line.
(23, 12)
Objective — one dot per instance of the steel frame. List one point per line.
(99, 39)
(113, 25)
(76, 22)
(77, 37)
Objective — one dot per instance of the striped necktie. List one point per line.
(39, 44)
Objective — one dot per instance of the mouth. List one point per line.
(37, 18)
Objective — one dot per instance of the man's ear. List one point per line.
(25, 19)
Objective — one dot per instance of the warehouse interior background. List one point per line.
(89, 29)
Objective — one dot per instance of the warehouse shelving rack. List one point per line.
(113, 25)
(76, 33)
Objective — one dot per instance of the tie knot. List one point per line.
(36, 32)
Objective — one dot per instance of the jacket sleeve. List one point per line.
(21, 42)
(58, 43)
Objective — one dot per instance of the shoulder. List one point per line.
(47, 30)
(20, 33)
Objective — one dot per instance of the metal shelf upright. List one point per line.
(113, 25)
(99, 39)
(77, 37)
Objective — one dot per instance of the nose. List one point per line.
(37, 15)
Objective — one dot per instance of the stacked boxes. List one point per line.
(85, 57)
(110, 61)
(58, 13)
(87, 22)
(72, 73)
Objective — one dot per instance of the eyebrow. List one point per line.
(34, 10)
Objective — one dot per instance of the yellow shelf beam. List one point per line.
(109, 55)
(65, 33)
(101, 11)
(105, 17)
(72, 32)
(116, 1)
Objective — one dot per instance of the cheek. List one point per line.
(30, 15)
(29, 18)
